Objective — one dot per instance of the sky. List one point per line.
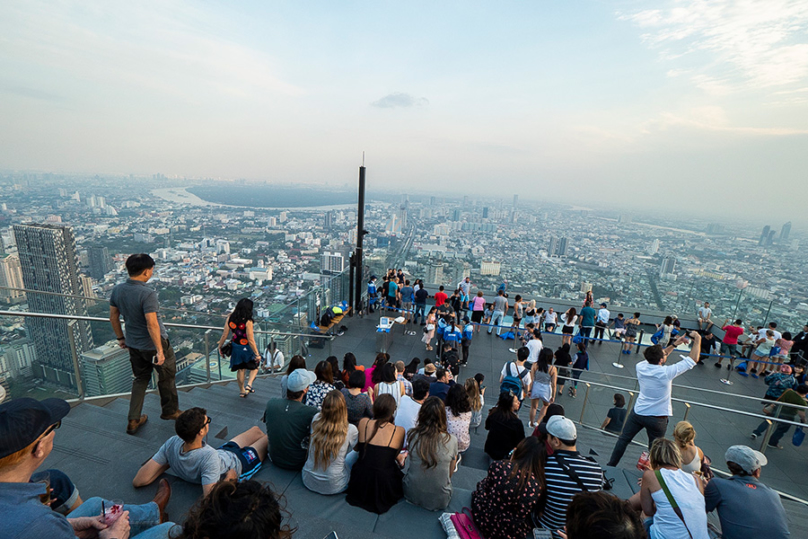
(624, 103)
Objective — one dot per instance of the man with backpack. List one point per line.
(515, 376)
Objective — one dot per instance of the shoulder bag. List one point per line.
(672, 501)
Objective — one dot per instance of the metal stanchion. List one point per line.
(765, 442)
(586, 398)
(726, 380)
(617, 364)
(207, 355)
(687, 411)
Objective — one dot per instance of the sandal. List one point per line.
(249, 388)
(243, 395)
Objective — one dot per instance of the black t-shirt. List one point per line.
(385, 288)
(421, 296)
(617, 416)
(504, 433)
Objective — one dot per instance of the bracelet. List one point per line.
(121, 338)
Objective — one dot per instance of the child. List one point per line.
(616, 416)
(581, 363)
(488, 313)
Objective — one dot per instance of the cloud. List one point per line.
(715, 119)
(756, 45)
(400, 99)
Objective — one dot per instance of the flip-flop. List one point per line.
(243, 395)
(249, 388)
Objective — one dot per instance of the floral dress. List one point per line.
(317, 392)
(499, 509)
(459, 426)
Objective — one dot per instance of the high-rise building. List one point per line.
(49, 263)
(668, 266)
(86, 286)
(11, 277)
(432, 201)
(785, 232)
(402, 217)
(490, 267)
(328, 220)
(106, 370)
(586, 287)
(654, 247)
(485, 212)
(99, 262)
(332, 263)
(434, 273)
(456, 214)
(764, 236)
(552, 247)
(563, 244)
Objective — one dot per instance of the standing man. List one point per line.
(406, 301)
(729, 344)
(587, 321)
(705, 312)
(800, 349)
(372, 293)
(602, 322)
(500, 310)
(653, 407)
(441, 297)
(465, 288)
(147, 341)
(421, 296)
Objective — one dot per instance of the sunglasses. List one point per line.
(207, 422)
(51, 428)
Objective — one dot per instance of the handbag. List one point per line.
(227, 349)
(464, 525)
(672, 501)
(799, 437)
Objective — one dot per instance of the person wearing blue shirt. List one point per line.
(465, 341)
(587, 321)
(440, 328)
(452, 334)
(372, 293)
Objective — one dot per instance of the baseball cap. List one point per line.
(746, 457)
(299, 380)
(560, 427)
(24, 420)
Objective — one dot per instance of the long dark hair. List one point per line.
(570, 315)
(334, 362)
(528, 462)
(297, 362)
(504, 407)
(234, 510)
(323, 372)
(384, 410)
(243, 312)
(349, 362)
(412, 366)
(430, 430)
(563, 354)
(457, 400)
(545, 360)
(379, 363)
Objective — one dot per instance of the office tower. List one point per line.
(11, 277)
(764, 236)
(667, 266)
(434, 273)
(328, 220)
(106, 370)
(99, 262)
(586, 287)
(456, 214)
(222, 247)
(563, 244)
(653, 248)
(283, 216)
(49, 263)
(485, 212)
(490, 267)
(785, 232)
(552, 248)
(432, 201)
(515, 201)
(332, 263)
(402, 217)
(86, 286)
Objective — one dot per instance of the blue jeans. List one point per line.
(496, 320)
(586, 331)
(419, 312)
(143, 519)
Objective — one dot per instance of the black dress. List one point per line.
(375, 483)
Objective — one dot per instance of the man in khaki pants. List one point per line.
(146, 339)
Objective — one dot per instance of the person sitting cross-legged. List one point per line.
(193, 460)
(27, 433)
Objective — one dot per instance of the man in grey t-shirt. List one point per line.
(500, 310)
(195, 461)
(747, 508)
(146, 339)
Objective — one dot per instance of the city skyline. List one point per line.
(608, 102)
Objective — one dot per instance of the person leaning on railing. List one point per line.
(653, 407)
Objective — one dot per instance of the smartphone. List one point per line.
(154, 359)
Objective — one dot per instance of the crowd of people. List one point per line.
(394, 431)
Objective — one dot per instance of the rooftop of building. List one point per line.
(94, 450)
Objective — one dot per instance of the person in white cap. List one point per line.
(746, 507)
(566, 472)
(289, 421)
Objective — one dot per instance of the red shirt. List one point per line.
(440, 298)
(733, 332)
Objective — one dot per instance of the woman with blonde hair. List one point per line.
(476, 401)
(331, 454)
(685, 436)
(689, 518)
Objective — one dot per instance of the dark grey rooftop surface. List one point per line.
(93, 448)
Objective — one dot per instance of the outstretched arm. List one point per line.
(148, 473)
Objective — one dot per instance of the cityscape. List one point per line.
(81, 229)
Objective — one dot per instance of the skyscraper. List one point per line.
(785, 232)
(563, 244)
(485, 212)
(552, 248)
(49, 263)
(106, 370)
(332, 263)
(11, 277)
(328, 220)
(764, 236)
(667, 266)
(515, 201)
(99, 262)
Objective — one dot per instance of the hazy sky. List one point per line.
(700, 101)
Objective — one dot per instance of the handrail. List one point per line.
(168, 324)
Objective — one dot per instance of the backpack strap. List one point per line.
(671, 500)
(570, 472)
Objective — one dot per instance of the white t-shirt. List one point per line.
(407, 415)
(516, 372)
(762, 334)
(705, 313)
(569, 322)
(603, 316)
(550, 318)
(535, 346)
(655, 386)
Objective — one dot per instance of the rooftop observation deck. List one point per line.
(102, 459)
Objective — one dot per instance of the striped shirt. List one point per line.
(561, 487)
